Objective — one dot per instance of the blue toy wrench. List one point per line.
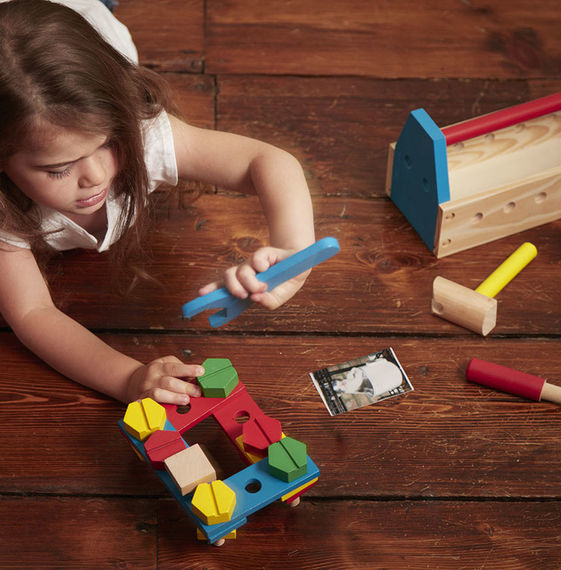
(282, 271)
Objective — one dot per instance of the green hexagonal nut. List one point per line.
(288, 459)
(219, 379)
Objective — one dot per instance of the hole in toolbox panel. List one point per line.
(509, 207)
(408, 161)
(540, 197)
(223, 454)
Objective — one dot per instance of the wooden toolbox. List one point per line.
(479, 180)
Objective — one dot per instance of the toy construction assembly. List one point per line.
(278, 466)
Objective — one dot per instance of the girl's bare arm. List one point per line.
(67, 346)
(246, 165)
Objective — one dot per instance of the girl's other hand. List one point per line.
(164, 380)
(241, 280)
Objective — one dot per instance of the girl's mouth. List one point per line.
(92, 200)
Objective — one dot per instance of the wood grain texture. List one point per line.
(379, 535)
(448, 438)
(169, 35)
(77, 532)
(451, 475)
(123, 533)
(391, 40)
(340, 128)
(380, 282)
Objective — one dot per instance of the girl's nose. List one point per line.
(92, 172)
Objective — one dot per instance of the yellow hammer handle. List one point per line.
(508, 270)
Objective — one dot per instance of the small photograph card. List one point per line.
(361, 381)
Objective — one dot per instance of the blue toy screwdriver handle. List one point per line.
(299, 262)
(213, 300)
(274, 276)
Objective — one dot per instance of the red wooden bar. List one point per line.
(501, 119)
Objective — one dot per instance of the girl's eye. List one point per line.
(60, 173)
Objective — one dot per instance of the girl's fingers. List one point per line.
(241, 280)
(166, 397)
(233, 284)
(168, 358)
(170, 390)
(246, 277)
(181, 387)
(263, 258)
(209, 288)
(181, 370)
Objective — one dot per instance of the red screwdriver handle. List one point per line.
(505, 379)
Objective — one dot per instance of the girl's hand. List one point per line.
(163, 380)
(242, 283)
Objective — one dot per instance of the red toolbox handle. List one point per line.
(501, 119)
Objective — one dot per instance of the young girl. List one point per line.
(85, 136)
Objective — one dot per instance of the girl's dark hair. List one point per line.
(55, 68)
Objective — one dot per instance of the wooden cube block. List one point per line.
(190, 467)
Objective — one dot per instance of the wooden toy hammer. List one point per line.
(477, 310)
(512, 381)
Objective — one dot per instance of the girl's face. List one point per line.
(70, 171)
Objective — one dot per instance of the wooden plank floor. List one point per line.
(451, 475)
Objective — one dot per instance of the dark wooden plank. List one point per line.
(382, 256)
(54, 532)
(340, 128)
(357, 534)
(391, 40)
(169, 35)
(383, 267)
(451, 475)
(114, 532)
(193, 95)
(448, 438)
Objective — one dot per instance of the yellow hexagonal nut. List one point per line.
(144, 418)
(214, 502)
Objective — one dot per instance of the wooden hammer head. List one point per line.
(463, 306)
